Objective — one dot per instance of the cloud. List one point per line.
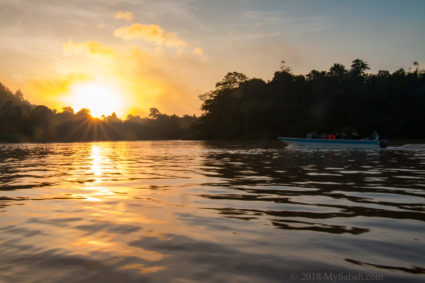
(88, 48)
(151, 33)
(121, 15)
(145, 78)
(58, 84)
(158, 80)
(49, 90)
(198, 51)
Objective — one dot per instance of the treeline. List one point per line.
(338, 100)
(20, 121)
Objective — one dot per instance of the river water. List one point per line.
(192, 211)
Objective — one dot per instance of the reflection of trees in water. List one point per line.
(315, 185)
(333, 197)
(413, 270)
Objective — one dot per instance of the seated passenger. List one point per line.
(355, 136)
(375, 135)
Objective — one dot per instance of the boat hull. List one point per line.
(331, 144)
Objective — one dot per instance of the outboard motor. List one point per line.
(383, 143)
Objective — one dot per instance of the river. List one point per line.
(194, 211)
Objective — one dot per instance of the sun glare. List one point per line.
(99, 99)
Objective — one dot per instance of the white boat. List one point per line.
(333, 143)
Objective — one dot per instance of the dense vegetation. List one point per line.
(20, 121)
(338, 100)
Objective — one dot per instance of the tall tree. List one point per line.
(358, 67)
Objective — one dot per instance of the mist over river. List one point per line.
(195, 211)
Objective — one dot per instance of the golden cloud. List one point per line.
(59, 84)
(121, 15)
(198, 51)
(151, 33)
(145, 79)
(88, 48)
(48, 91)
(154, 80)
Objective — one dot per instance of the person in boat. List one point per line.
(355, 136)
(375, 136)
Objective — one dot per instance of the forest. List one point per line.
(339, 100)
(20, 121)
(336, 101)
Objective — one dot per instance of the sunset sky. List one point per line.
(139, 54)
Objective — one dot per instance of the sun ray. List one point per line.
(87, 131)
(104, 132)
(114, 129)
(74, 130)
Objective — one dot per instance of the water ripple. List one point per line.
(147, 211)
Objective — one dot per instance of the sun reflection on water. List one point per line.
(97, 159)
(99, 168)
(157, 211)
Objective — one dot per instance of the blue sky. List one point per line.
(315, 34)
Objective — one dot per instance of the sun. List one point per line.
(100, 99)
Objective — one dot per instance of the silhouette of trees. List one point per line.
(22, 122)
(337, 100)
(337, 71)
(154, 113)
(358, 67)
(231, 80)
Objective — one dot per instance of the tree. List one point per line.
(337, 71)
(83, 113)
(67, 110)
(358, 67)
(231, 80)
(112, 118)
(19, 95)
(154, 113)
(316, 75)
(416, 64)
(337, 101)
(284, 67)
